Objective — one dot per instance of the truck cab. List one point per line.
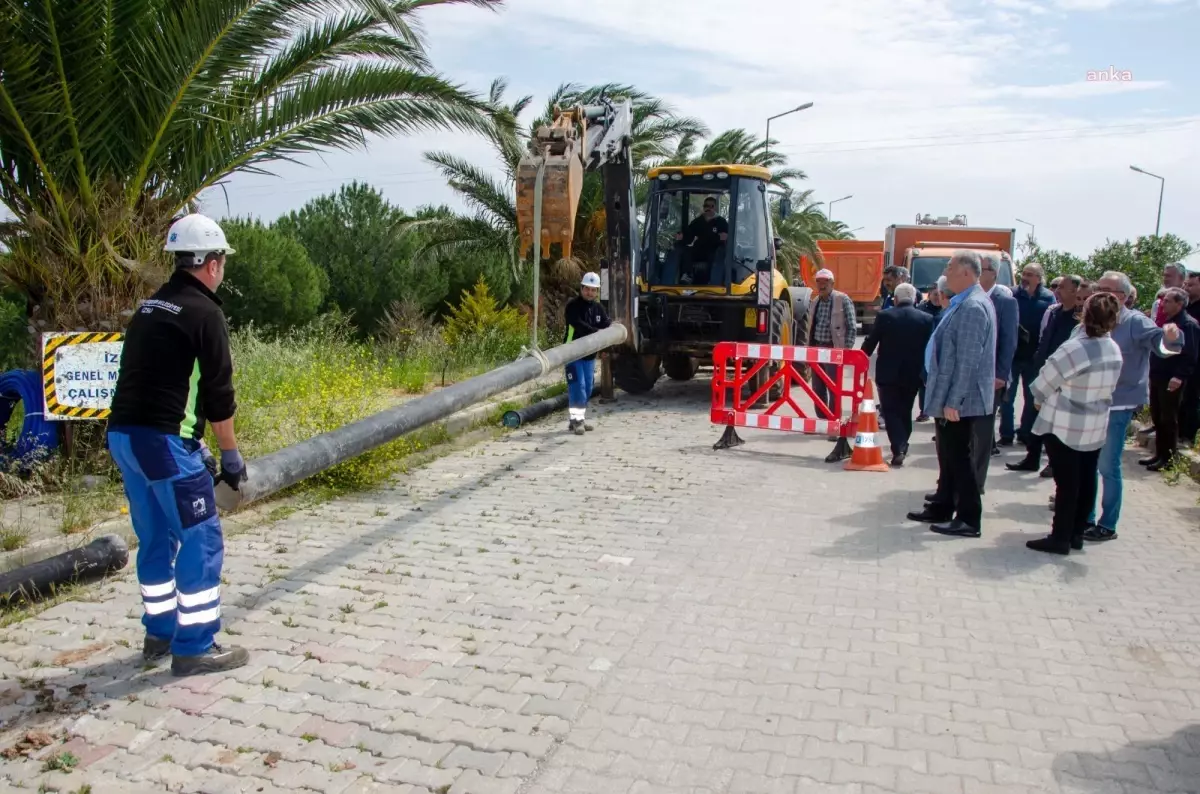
(926, 264)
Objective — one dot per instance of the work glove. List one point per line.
(233, 468)
(210, 462)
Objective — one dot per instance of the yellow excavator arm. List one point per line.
(577, 139)
(557, 157)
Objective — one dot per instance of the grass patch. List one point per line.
(13, 537)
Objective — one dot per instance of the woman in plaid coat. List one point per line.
(1073, 392)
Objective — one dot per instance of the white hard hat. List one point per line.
(591, 280)
(197, 234)
(825, 273)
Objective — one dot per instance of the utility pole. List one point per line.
(829, 214)
(1162, 184)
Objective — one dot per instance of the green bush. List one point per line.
(269, 282)
(16, 349)
(479, 326)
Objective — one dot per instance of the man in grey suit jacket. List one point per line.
(960, 392)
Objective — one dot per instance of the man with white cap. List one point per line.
(585, 316)
(831, 323)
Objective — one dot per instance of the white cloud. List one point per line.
(914, 110)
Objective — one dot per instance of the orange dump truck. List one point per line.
(925, 247)
(857, 267)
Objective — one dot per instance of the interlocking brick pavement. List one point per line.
(631, 612)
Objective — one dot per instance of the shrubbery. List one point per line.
(270, 282)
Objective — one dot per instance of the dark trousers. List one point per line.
(983, 437)
(1074, 488)
(1164, 413)
(957, 481)
(1023, 373)
(1189, 411)
(829, 398)
(921, 399)
(896, 406)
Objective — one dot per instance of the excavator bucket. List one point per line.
(558, 155)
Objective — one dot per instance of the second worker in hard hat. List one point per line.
(584, 316)
(176, 376)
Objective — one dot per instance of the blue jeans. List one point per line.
(180, 547)
(1109, 470)
(580, 378)
(1023, 374)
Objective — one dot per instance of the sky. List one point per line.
(994, 109)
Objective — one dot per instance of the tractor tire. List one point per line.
(782, 329)
(681, 367)
(801, 299)
(636, 374)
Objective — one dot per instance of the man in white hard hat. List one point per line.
(176, 376)
(585, 316)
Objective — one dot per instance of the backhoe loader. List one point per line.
(682, 273)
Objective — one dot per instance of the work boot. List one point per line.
(588, 428)
(579, 430)
(154, 648)
(216, 659)
(572, 425)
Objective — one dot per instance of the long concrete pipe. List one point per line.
(286, 467)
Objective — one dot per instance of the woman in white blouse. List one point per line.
(1073, 392)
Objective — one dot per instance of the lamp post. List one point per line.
(1032, 228)
(829, 214)
(767, 143)
(1162, 184)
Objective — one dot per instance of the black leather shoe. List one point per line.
(1025, 464)
(931, 496)
(154, 648)
(930, 515)
(898, 460)
(1148, 461)
(215, 660)
(1047, 472)
(1077, 542)
(1048, 544)
(957, 528)
(1158, 465)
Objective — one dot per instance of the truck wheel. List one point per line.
(636, 374)
(681, 367)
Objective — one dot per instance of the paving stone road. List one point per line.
(634, 612)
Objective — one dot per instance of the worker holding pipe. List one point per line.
(176, 375)
(584, 316)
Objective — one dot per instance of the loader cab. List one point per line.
(685, 250)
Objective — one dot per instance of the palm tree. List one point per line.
(803, 227)
(737, 146)
(115, 115)
(491, 229)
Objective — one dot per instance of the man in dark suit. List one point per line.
(901, 334)
(1006, 344)
(960, 393)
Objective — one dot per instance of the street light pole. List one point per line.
(835, 201)
(767, 143)
(1162, 184)
(1032, 228)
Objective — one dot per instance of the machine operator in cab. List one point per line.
(704, 235)
(176, 375)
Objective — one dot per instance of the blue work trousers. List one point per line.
(581, 376)
(180, 546)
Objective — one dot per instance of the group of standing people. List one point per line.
(1083, 359)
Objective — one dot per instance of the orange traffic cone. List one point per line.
(868, 455)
